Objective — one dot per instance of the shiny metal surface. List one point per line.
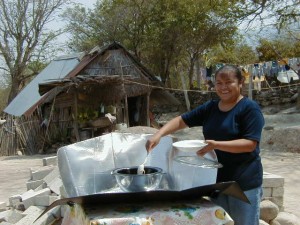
(85, 167)
(129, 180)
(29, 96)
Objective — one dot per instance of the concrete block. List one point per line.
(41, 173)
(2, 210)
(49, 218)
(33, 210)
(54, 181)
(13, 200)
(52, 175)
(55, 185)
(30, 215)
(267, 192)
(63, 192)
(41, 187)
(27, 194)
(33, 184)
(277, 191)
(271, 180)
(30, 199)
(20, 206)
(48, 161)
(2, 206)
(45, 200)
(4, 215)
(14, 217)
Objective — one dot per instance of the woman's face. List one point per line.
(227, 86)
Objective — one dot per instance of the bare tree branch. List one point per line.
(23, 34)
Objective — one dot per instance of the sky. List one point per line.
(58, 23)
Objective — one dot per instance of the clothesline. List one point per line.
(273, 68)
(201, 91)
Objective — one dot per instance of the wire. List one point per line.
(204, 91)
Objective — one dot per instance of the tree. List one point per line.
(3, 92)
(238, 53)
(276, 13)
(161, 34)
(281, 47)
(24, 37)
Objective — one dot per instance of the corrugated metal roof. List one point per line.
(29, 96)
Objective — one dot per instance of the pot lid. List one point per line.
(198, 161)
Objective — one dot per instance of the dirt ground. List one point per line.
(15, 170)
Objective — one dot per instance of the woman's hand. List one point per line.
(207, 148)
(173, 125)
(152, 142)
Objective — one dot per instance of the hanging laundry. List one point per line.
(283, 61)
(274, 69)
(287, 76)
(266, 68)
(245, 74)
(287, 67)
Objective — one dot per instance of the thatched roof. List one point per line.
(107, 89)
(110, 73)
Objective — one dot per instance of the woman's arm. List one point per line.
(234, 146)
(173, 125)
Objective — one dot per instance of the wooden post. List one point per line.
(75, 124)
(125, 98)
(148, 109)
(199, 74)
(298, 99)
(250, 87)
(186, 97)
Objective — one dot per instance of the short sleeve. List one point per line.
(252, 122)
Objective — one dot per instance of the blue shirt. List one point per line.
(244, 120)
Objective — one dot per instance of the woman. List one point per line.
(232, 126)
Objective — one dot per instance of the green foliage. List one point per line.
(281, 47)
(171, 35)
(162, 34)
(239, 54)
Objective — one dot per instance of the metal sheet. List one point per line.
(29, 96)
(86, 166)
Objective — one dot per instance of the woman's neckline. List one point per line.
(228, 107)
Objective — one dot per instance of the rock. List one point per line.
(269, 128)
(19, 153)
(273, 222)
(285, 218)
(294, 97)
(268, 210)
(261, 222)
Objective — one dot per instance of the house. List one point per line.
(86, 95)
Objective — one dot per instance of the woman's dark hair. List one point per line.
(231, 68)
